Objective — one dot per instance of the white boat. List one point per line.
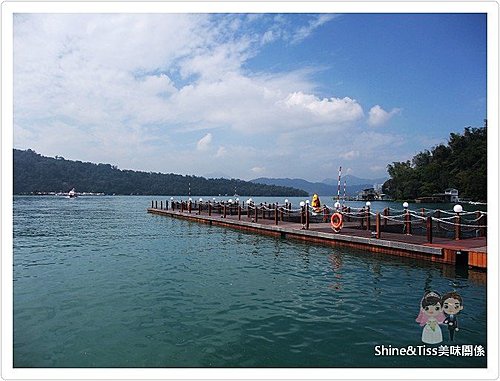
(72, 193)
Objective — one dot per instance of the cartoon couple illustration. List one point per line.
(436, 309)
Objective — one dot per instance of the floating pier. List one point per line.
(452, 240)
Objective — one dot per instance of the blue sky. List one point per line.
(246, 95)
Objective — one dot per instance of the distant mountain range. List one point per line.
(327, 187)
(353, 180)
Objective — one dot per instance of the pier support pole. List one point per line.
(161, 204)
(152, 204)
(156, 204)
(429, 229)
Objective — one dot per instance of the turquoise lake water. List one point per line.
(98, 282)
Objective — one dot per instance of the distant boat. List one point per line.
(72, 193)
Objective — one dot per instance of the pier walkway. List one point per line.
(374, 237)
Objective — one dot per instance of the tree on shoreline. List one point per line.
(35, 173)
(461, 164)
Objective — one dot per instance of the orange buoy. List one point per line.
(336, 222)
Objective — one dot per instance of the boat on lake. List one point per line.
(72, 193)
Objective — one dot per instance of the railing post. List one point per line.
(438, 215)
(281, 214)
(256, 210)
(429, 229)
(225, 210)
(368, 218)
(156, 204)
(209, 208)
(189, 206)
(307, 216)
(239, 211)
(457, 227)
(276, 214)
(152, 204)
(386, 214)
(481, 221)
(377, 225)
(161, 204)
(182, 206)
(302, 216)
(408, 222)
(199, 208)
(348, 219)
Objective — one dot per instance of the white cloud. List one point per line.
(332, 110)
(258, 170)
(377, 116)
(349, 155)
(96, 87)
(204, 143)
(305, 31)
(221, 152)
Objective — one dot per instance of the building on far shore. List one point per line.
(373, 194)
(450, 196)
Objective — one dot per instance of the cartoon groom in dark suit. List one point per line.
(452, 305)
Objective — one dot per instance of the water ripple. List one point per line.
(101, 283)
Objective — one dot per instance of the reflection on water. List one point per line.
(100, 283)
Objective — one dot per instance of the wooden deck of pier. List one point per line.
(470, 252)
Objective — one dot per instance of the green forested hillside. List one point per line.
(36, 173)
(460, 164)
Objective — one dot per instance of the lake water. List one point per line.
(98, 282)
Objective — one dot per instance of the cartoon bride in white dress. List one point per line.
(430, 316)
